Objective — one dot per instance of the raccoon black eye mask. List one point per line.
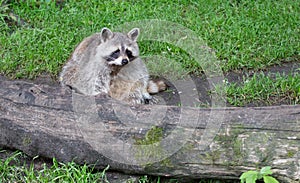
(116, 54)
(129, 55)
(113, 56)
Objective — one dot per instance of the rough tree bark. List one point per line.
(45, 120)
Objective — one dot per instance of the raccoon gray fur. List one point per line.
(108, 62)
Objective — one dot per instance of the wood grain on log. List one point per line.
(49, 121)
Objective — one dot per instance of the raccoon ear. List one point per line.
(134, 34)
(106, 34)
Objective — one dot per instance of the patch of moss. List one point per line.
(213, 156)
(291, 153)
(149, 148)
(232, 144)
(26, 141)
(154, 135)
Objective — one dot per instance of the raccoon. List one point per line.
(109, 63)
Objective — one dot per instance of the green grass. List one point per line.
(12, 169)
(264, 89)
(247, 34)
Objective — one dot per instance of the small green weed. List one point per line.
(251, 176)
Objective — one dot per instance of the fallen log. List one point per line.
(49, 121)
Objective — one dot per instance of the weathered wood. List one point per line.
(188, 142)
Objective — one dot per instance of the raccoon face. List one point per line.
(120, 56)
(122, 48)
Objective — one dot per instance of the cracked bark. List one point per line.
(46, 120)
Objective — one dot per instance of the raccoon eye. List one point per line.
(129, 54)
(115, 54)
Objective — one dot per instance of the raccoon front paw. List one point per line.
(152, 101)
(147, 98)
(134, 100)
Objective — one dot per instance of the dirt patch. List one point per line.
(284, 68)
(172, 96)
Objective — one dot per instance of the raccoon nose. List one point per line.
(124, 61)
